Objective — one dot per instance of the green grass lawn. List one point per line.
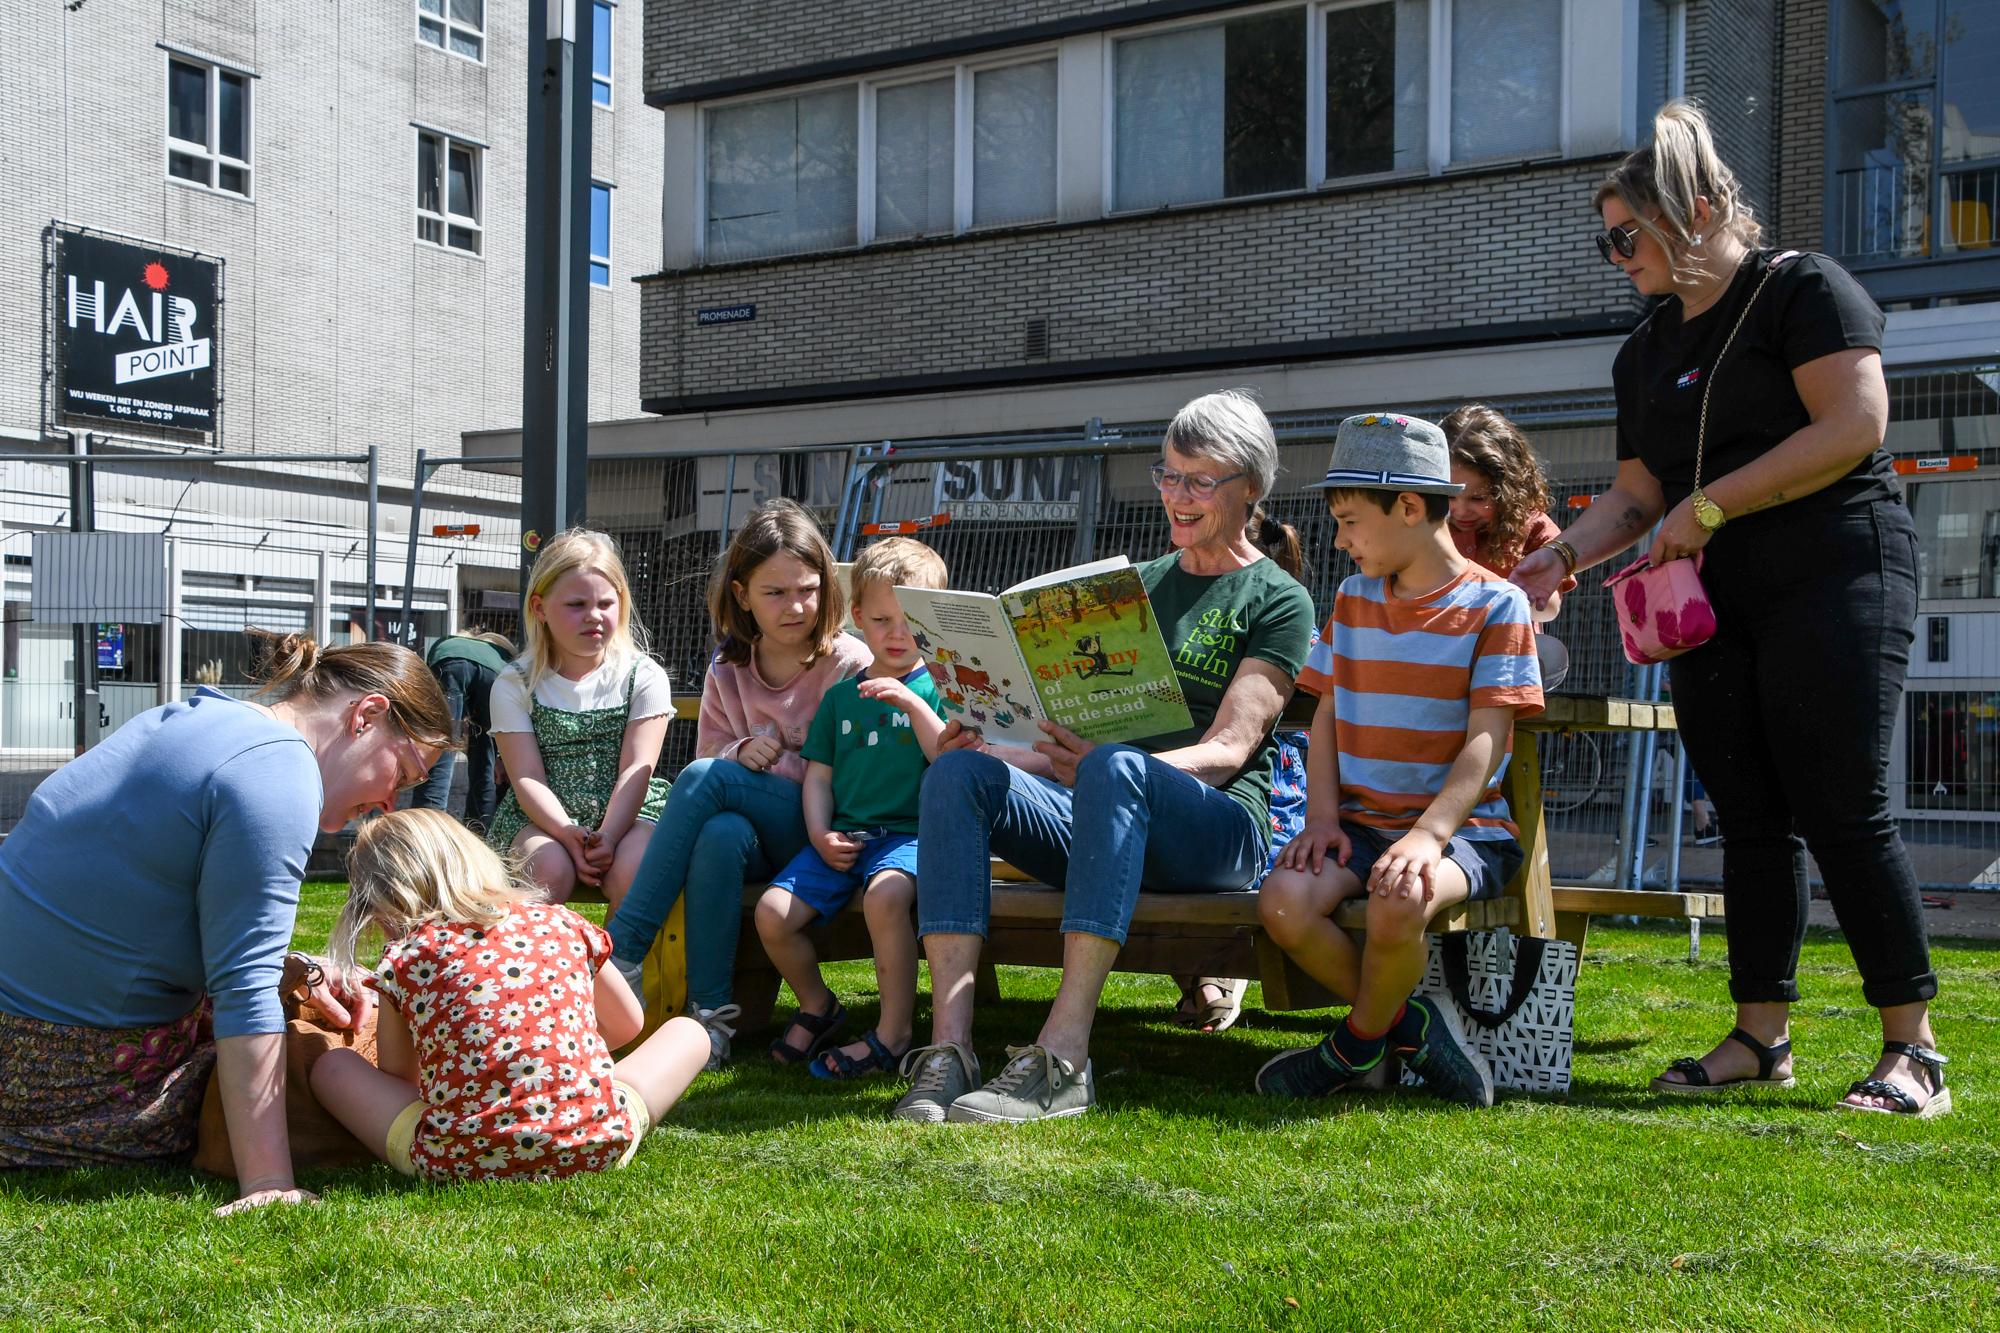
(769, 1201)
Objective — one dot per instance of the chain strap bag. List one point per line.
(1663, 610)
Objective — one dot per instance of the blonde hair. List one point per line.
(413, 866)
(586, 550)
(1494, 447)
(294, 667)
(776, 527)
(1668, 175)
(898, 562)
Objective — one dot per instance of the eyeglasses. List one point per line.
(417, 764)
(1618, 243)
(1200, 488)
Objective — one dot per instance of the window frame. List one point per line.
(963, 72)
(610, 194)
(450, 25)
(1441, 96)
(209, 153)
(444, 217)
(604, 80)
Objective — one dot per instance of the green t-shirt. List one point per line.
(460, 646)
(1211, 623)
(877, 764)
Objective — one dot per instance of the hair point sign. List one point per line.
(136, 334)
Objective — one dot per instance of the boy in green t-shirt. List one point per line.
(865, 757)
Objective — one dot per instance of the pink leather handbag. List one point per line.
(1663, 611)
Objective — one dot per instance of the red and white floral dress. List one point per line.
(509, 1060)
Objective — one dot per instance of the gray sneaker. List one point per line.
(939, 1076)
(1035, 1085)
(635, 977)
(718, 1021)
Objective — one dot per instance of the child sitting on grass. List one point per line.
(497, 1022)
(865, 757)
(1421, 670)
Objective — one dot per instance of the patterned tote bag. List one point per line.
(1516, 1001)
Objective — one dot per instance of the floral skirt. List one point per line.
(72, 1095)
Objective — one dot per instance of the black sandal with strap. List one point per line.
(1699, 1085)
(819, 1027)
(1927, 1060)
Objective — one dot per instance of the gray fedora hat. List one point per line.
(1383, 451)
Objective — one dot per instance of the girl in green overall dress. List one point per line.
(579, 718)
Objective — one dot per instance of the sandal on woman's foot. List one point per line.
(1216, 1015)
(1696, 1074)
(835, 1063)
(819, 1030)
(1929, 1061)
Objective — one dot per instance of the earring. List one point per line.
(1695, 239)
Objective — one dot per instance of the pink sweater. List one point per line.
(736, 704)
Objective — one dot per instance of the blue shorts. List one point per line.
(827, 891)
(1488, 863)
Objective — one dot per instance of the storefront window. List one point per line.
(1958, 538)
(1952, 750)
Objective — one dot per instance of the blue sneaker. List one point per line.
(1313, 1071)
(1431, 1043)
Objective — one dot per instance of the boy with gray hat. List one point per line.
(1421, 669)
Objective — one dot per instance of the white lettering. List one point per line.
(150, 363)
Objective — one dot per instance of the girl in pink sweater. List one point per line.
(735, 813)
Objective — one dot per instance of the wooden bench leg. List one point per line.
(756, 992)
(986, 983)
(1574, 927)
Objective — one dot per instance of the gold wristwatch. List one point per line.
(1707, 512)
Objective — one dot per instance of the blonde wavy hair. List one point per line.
(413, 866)
(1668, 175)
(578, 549)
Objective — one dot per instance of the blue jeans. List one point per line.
(722, 824)
(467, 687)
(1095, 841)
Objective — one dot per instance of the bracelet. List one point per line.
(313, 973)
(1565, 553)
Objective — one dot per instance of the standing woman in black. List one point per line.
(1811, 563)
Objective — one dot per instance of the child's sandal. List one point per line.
(836, 1064)
(819, 1027)
(1929, 1061)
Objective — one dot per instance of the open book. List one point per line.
(1079, 647)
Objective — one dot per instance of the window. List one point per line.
(1662, 57)
(1378, 61)
(1914, 145)
(447, 192)
(914, 151)
(782, 175)
(600, 234)
(458, 26)
(1506, 78)
(600, 53)
(208, 126)
(1210, 112)
(1014, 144)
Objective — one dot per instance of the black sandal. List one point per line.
(837, 1064)
(1698, 1084)
(1929, 1061)
(819, 1027)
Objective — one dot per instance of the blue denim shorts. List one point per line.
(1488, 863)
(827, 891)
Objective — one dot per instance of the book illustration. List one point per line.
(1080, 647)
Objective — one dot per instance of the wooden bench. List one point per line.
(1218, 934)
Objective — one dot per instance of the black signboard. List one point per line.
(136, 334)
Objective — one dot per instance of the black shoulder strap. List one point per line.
(1457, 976)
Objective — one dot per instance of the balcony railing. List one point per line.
(1888, 212)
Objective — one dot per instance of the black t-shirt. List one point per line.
(1810, 308)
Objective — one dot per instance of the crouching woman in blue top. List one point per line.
(146, 903)
(1181, 813)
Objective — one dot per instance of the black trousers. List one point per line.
(468, 690)
(1787, 715)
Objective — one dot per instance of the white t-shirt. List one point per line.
(652, 695)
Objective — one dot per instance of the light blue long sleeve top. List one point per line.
(161, 866)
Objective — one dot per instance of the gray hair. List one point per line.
(1230, 427)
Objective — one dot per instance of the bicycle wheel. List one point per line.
(1572, 770)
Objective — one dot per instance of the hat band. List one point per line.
(1348, 476)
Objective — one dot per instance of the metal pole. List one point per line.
(374, 501)
(170, 629)
(1089, 489)
(556, 299)
(83, 639)
(728, 502)
(408, 634)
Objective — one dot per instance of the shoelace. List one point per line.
(931, 1067)
(719, 1018)
(1021, 1064)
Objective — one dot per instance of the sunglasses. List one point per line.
(1618, 243)
(1201, 488)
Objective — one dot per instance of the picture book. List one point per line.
(1079, 647)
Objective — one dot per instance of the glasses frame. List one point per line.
(1621, 241)
(1201, 488)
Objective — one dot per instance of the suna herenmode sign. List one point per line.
(135, 333)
